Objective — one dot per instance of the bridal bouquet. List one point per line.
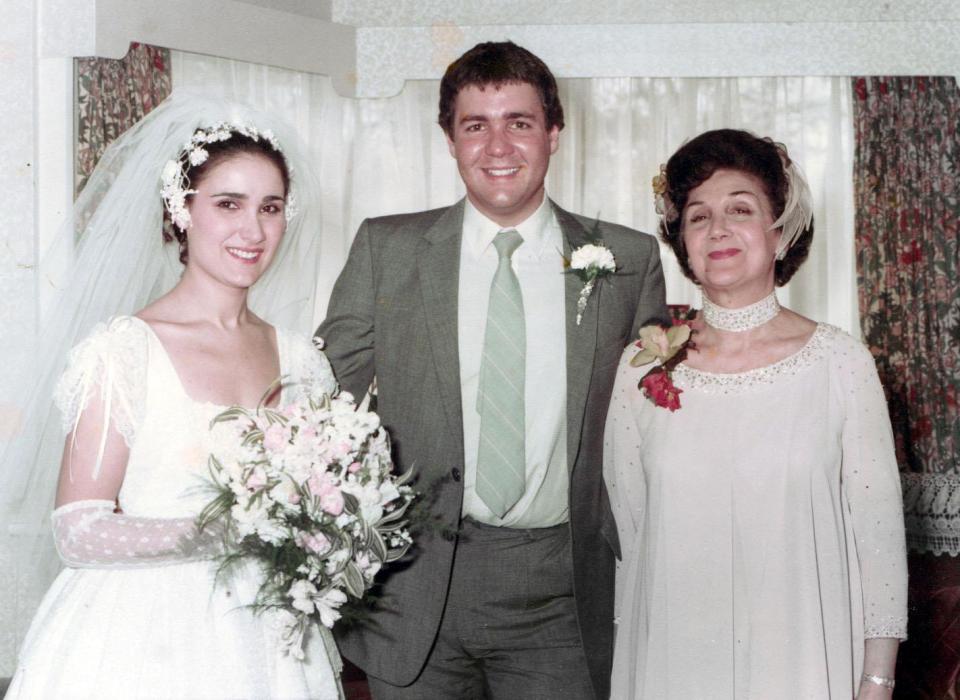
(306, 491)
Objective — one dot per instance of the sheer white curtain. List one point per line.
(619, 130)
(379, 156)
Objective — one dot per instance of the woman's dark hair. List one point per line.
(498, 63)
(730, 149)
(217, 152)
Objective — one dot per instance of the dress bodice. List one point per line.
(167, 431)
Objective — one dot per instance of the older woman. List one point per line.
(753, 474)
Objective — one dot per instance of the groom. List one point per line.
(495, 396)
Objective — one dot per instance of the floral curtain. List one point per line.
(906, 188)
(112, 96)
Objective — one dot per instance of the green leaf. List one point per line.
(255, 435)
(398, 553)
(350, 503)
(213, 466)
(393, 516)
(230, 414)
(378, 547)
(215, 509)
(353, 580)
(274, 385)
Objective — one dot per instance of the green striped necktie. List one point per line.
(501, 462)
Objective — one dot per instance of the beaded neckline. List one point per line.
(743, 319)
(727, 383)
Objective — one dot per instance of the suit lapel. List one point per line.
(581, 340)
(439, 271)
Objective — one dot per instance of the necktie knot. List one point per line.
(506, 242)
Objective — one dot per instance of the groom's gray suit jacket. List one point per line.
(393, 315)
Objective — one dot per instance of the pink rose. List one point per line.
(257, 479)
(318, 544)
(275, 438)
(325, 488)
(341, 449)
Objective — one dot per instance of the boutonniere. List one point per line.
(669, 346)
(591, 262)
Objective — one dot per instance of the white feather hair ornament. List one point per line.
(798, 211)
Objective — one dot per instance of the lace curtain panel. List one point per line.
(113, 95)
(906, 170)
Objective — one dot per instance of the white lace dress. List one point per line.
(761, 526)
(135, 614)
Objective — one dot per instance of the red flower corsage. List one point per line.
(668, 346)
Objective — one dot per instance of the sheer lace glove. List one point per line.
(88, 534)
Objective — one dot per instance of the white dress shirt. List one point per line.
(538, 264)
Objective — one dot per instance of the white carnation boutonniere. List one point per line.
(591, 262)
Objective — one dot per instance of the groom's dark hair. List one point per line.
(498, 63)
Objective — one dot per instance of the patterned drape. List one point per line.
(907, 199)
(112, 96)
(907, 183)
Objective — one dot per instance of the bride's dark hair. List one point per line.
(218, 152)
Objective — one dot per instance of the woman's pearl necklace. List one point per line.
(742, 319)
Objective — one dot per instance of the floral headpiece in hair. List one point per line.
(175, 185)
(662, 202)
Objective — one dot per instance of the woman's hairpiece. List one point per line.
(798, 211)
(175, 185)
(662, 202)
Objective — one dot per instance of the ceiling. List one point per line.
(318, 9)
(429, 13)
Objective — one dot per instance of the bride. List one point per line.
(135, 614)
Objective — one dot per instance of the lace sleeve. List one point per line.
(871, 483)
(88, 534)
(111, 361)
(307, 365)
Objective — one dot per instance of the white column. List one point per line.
(18, 246)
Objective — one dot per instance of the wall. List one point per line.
(17, 231)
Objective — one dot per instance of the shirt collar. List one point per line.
(537, 230)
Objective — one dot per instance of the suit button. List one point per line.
(455, 473)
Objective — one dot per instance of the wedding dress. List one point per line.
(761, 526)
(136, 613)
